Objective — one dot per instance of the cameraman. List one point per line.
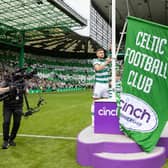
(12, 106)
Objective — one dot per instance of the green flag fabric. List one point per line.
(144, 101)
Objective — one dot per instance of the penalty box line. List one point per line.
(47, 137)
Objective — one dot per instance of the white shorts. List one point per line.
(100, 90)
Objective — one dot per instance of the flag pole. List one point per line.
(113, 45)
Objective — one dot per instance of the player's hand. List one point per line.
(108, 60)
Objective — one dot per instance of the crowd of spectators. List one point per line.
(52, 73)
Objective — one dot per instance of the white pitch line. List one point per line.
(47, 137)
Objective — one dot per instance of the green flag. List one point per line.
(144, 101)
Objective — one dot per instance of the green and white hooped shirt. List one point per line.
(101, 76)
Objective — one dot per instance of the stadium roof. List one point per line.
(153, 10)
(43, 22)
(27, 15)
(47, 24)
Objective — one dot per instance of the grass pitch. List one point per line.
(63, 116)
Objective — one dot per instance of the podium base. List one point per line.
(110, 151)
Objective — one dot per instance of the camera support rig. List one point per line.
(30, 110)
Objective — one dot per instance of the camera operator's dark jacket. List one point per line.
(14, 97)
(14, 100)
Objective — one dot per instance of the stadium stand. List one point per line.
(54, 74)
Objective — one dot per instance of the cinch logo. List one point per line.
(140, 113)
(136, 114)
(107, 112)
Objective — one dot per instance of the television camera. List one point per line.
(17, 84)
